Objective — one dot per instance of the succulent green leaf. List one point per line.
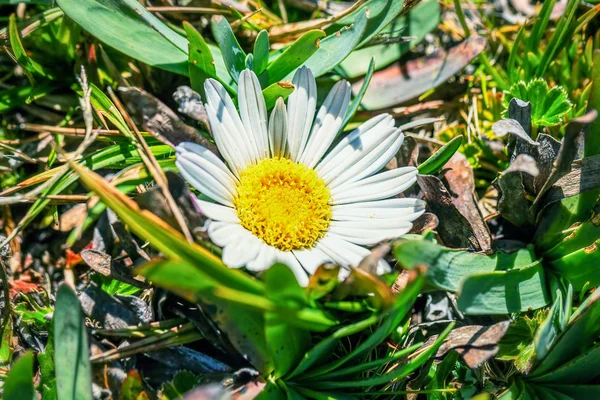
(447, 268)
(261, 52)
(504, 292)
(19, 383)
(334, 48)
(71, 351)
(293, 57)
(420, 20)
(233, 54)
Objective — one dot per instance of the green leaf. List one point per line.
(182, 383)
(393, 317)
(381, 14)
(580, 267)
(293, 57)
(261, 52)
(581, 369)
(322, 349)
(399, 372)
(121, 28)
(434, 164)
(18, 96)
(47, 372)
(286, 344)
(201, 61)
(71, 357)
(233, 55)
(334, 48)
(548, 106)
(30, 66)
(19, 383)
(592, 135)
(275, 91)
(504, 292)
(420, 20)
(580, 334)
(447, 268)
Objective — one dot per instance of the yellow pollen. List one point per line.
(283, 203)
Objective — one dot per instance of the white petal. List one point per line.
(406, 209)
(311, 259)
(341, 251)
(224, 233)
(217, 212)
(264, 260)
(278, 130)
(369, 236)
(351, 253)
(253, 112)
(380, 186)
(354, 141)
(371, 162)
(302, 104)
(239, 252)
(204, 179)
(227, 128)
(287, 258)
(327, 124)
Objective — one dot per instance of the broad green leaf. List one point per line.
(334, 48)
(293, 57)
(286, 344)
(233, 55)
(434, 164)
(420, 20)
(261, 52)
(447, 268)
(359, 96)
(580, 267)
(581, 236)
(201, 61)
(71, 351)
(381, 14)
(121, 28)
(504, 292)
(19, 383)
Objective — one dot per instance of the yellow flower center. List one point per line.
(283, 203)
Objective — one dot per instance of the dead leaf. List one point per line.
(160, 120)
(400, 83)
(513, 203)
(475, 343)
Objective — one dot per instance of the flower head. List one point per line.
(280, 196)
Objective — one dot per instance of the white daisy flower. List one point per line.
(280, 196)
